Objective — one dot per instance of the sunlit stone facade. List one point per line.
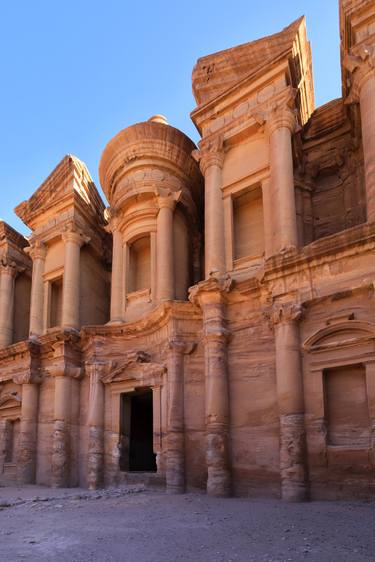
(213, 327)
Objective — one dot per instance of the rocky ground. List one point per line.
(133, 524)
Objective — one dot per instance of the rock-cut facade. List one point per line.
(212, 326)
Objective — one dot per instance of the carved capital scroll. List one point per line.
(210, 153)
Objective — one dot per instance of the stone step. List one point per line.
(148, 479)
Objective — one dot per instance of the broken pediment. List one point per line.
(68, 185)
(217, 73)
(136, 365)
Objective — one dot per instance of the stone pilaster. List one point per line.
(29, 376)
(38, 253)
(361, 63)
(95, 458)
(118, 283)
(167, 200)
(175, 473)
(210, 297)
(211, 160)
(64, 369)
(73, 240)
(290, 401)
(8, 272)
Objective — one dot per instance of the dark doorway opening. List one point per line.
(136, 432)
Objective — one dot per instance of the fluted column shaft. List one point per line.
(26, 465)
(164, 245)
(73, 241)
(291, 402)
(95, 459)
(117, 286)
(38, 252)
(280, 126)
(8, 273)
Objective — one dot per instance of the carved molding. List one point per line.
(360, 62)
(10, 397)
(349, 333)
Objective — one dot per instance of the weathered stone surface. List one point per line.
(215, 324)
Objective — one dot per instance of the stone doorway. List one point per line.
(136, 432)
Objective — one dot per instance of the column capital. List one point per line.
(98, 370)
(278, 114)
(114, 220)
(177, 344)
(9, 267)
(37, 250)
(166, 198)
(72, 234)
(65, 370)
(210, 289)
(285, 313)
(360, 63)
(210, 153)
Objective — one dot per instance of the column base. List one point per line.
(95, 458)
(293, 458)
(175, 471)
(60, 456)
(218, 477)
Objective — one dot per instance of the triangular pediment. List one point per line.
(69, 181)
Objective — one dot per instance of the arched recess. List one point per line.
(339, 389)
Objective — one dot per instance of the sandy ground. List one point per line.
(133, 524)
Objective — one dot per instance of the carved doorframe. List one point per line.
(341, 344)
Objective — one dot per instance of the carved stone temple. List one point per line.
(214, 326)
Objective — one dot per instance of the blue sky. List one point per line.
(76, 72)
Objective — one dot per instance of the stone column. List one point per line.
(73, 240)
(211, 160)
(117, 285)
(26, 462)
(361, 63)
(8, 272)
(37, 252)
(167, 200)
(268, 218)
(280, 124)
(290, 401)
(60, 465)
(210, 297)
(175, 473)
(95, 459)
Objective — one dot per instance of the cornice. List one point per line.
(148, 324)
